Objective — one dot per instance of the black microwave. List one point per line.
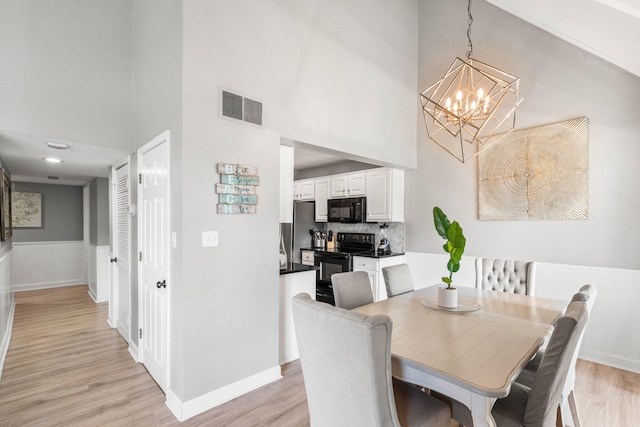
(349, 210)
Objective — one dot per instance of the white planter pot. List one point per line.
(447, 298)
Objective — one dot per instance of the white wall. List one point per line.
(613, 324)
(558, 82)
(7, 304)
(157, 37)
(39, 265)
(339, 75)
(67, 70)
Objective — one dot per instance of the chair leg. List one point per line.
(559, 422)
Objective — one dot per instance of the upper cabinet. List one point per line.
(347, 185)
(286, 184)
(304, 190)
(383, 188)
(321, 196)
(385, 195)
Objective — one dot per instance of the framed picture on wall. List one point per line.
(26, 210)
(5, 208)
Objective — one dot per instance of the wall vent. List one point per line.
(238, 107)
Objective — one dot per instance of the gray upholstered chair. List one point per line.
(351, 289)
(506, 275)
(586, 294)
(538, 405)
(397, 279)
(346, 366)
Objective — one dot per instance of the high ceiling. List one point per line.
(608, 29)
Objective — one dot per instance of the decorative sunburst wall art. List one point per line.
(537, 173)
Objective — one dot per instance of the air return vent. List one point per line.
(239, 107)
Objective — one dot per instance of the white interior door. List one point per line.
(122, 245)
(153, 167)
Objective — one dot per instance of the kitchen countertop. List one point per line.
(368, 254)
(294, 267)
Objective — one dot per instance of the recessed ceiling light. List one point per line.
(57, 145)
(52, 160)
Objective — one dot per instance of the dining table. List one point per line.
(472, 353)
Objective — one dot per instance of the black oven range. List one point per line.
(339, 260)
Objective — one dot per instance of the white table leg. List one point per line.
(481, 411)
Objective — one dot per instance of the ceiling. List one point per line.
(611, 33)
(24, 154)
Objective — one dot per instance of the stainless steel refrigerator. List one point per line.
(304, 215)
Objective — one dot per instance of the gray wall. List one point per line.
(99, 212)
(559, 82)
(61, 213)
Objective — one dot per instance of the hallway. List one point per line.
(66, 367)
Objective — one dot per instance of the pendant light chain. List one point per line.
(469, 22)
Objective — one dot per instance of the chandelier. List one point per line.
(471, 106)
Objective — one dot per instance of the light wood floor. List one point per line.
(67, 367)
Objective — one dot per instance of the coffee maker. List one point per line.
(384, 247)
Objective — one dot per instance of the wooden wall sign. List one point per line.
(237, 189)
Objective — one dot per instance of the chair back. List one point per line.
(506, 275)
(351, 289)
(586, 294)
(397, 279)
(546, 390)
(346, 365)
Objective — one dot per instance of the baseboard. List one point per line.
(111, 322)
(133, 351)
(47, 285)
(6, 339)
(97, 298)
(609, 360)
(185, 410)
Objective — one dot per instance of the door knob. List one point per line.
(162, 284)
(114, 259)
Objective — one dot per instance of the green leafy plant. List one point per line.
(452, 233)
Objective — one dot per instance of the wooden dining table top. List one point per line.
(482, 350)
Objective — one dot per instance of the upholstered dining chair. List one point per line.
(538, 405)
(346, 366)
(351, 289)
(397, 279)
(506, 275)
(586, 294)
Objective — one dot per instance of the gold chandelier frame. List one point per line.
(471, 106)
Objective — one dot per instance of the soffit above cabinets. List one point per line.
(609, 29)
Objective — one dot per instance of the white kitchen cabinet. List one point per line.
(321, 196)
(348, 185)
(385, 195)
(373, 267)
(304, 189)
(286, 184)
(356, 184)
(307, 257)
(338, 186)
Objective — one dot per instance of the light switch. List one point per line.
(209, 239)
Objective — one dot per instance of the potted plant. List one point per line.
(452, 233)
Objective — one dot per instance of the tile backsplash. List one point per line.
(395, 232)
